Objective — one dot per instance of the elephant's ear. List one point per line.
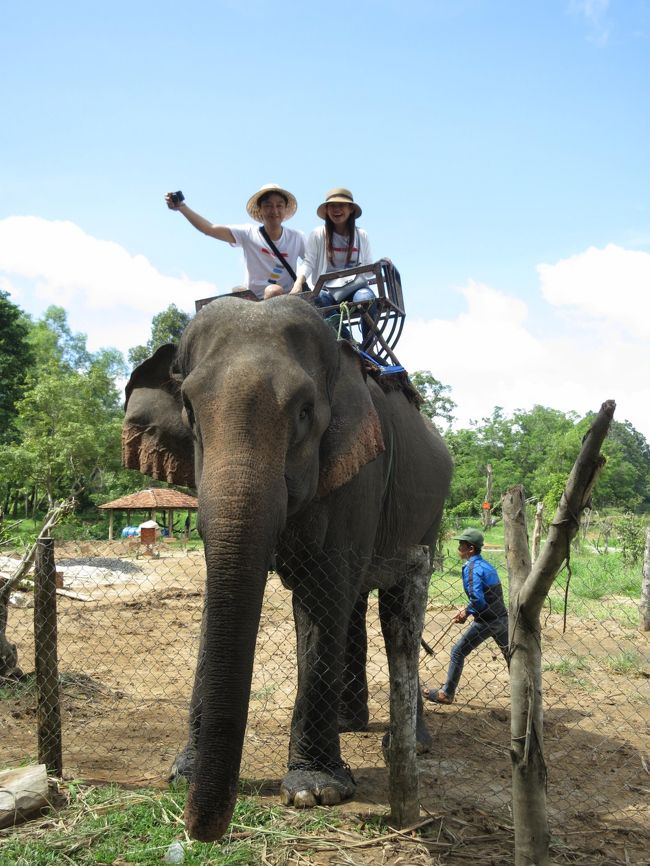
(354, 436)
(155, 441)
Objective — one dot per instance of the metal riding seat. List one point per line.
(385, 328)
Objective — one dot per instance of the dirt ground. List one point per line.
(126, 657)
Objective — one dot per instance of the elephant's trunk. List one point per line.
(242, 507)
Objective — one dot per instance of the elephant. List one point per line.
(299, 457)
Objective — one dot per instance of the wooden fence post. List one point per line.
(404, 690)
(644, 607)
(527, 737)
(486, 513)
(50, 750)
(537, 531)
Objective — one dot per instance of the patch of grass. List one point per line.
(11, 689)
(262, 694)
(107, 825)
(628, 663)
(568, 667)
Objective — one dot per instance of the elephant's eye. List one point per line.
(306, 413)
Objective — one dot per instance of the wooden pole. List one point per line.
(529, 589)
(537, 531)
(50, 750)
(406, 633)
(487, 502)
(644, 607)
(532, 836)
(110, 524)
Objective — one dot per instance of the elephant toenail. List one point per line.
(330, 796)
(304, 800)
(285, 797)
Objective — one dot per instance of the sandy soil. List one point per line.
(126, 658)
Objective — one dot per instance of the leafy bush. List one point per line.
(631, 537)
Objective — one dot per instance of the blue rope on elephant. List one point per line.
(382, 369)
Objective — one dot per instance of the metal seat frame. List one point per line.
(386, 328)
(383, 331)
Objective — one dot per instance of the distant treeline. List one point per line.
(61, 415)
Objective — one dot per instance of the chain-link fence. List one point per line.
(128, 624)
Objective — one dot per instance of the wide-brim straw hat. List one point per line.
(253, 207)
(342, 195)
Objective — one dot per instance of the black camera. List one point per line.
(177, 197)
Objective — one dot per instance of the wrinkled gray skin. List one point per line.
(296, 453)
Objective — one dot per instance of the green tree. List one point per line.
(53, 342)
(166, 327)
(16, 359)
(537, 448)
(68, 420)
(436, 402)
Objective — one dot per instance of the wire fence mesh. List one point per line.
(129, 620)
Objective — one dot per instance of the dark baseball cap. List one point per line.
(471, 536)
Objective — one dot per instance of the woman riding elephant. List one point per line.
(296, 453)
(335, 246)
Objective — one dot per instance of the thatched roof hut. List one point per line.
(151, 500)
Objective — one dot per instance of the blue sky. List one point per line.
(499, 151)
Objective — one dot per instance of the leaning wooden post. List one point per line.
(526, 750)
(644, 607)
(404, 690)
(50, 750)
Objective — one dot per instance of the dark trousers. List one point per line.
(476, 634)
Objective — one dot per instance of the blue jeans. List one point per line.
(476, 634)
(326, 299)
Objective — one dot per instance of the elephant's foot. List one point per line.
(308, 785)
(183, 767)
(423, 741)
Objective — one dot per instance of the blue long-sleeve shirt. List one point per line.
(483, 588)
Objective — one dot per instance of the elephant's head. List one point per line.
(273, 413)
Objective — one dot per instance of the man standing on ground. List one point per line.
(483, 589)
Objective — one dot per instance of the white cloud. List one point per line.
(595, 14)
(590, 344)
(610, 284)
(46, 262)
(491, 355)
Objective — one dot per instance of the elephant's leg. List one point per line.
(401, 611)
(353, 709)
(317, 773)
(184, 762)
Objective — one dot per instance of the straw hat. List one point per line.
(253, 207)
(338, 194)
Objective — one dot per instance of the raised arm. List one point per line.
(221, 233)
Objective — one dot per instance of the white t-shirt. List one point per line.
(315, 261)
(262, 265)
